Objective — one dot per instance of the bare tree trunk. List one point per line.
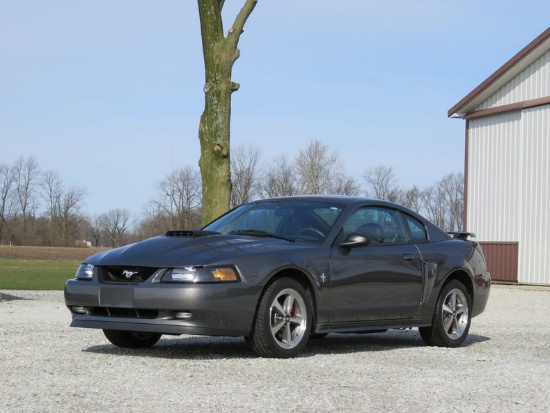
(70, 214)
(26, 172)
(220, 53)
(7, 181)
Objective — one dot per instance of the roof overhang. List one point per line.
(503, 75)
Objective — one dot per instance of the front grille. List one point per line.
(122, 312)
(127, 275)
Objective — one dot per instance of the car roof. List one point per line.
(339, 199)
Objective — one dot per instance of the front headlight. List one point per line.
(85, 272)
(200, 275)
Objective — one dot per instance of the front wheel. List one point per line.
(451, 321)
(131, 339)
(283, 320)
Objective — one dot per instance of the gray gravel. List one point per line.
(504, 366)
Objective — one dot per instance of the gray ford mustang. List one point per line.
(280, 271)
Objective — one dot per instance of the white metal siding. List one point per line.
(534, 246)
(509, 186)
(531, 83)
(494, 158)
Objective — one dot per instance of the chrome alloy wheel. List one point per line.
(288, 318)
(454, 313)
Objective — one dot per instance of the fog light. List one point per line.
(183, 315)
(78, 309)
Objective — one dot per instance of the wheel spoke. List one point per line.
(455, 326)
(289, 302)
(287, 334)
(452, 301)
(276, 326)
(447, 310)
(447, 323)
(297, 319)
(278, 308)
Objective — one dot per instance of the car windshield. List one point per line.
(293, 220)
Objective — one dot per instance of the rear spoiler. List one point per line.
(463, 235)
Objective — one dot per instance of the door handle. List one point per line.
(409, 257)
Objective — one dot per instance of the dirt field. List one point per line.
(47, 253)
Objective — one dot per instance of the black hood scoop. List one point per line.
(190, 234)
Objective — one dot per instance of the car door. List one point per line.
(378, 281)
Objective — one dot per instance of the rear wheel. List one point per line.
(131, 339)
(283, 320)
(451, 321)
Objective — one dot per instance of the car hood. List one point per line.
(171, 251)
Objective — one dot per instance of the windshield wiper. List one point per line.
(258, 233)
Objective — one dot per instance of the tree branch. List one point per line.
(236, 30)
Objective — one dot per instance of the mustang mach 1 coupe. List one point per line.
(280, 271)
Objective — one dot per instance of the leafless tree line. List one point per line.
(36, 207)
(24, 189)
(176, 206)
(314, 170)
(442, 203)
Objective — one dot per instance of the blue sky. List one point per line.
(109, 93)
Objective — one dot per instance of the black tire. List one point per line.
(283, 320)
(452, 317)
(130, 339)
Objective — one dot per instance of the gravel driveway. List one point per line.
(504, 366)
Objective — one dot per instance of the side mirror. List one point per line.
(355, 240)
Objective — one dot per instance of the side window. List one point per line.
(416, 228)
(380, 225)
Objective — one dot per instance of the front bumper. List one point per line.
(206, 309)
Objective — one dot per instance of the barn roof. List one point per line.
(503, 75)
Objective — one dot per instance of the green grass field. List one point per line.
(35, 274)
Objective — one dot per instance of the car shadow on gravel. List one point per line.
(208, 348)
(387, 341)
(186, 347)
(10, 297)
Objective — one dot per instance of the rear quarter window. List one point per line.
(416, 228)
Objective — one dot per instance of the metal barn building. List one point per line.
(507, 167)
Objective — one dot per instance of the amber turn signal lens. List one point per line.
(224, 274)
